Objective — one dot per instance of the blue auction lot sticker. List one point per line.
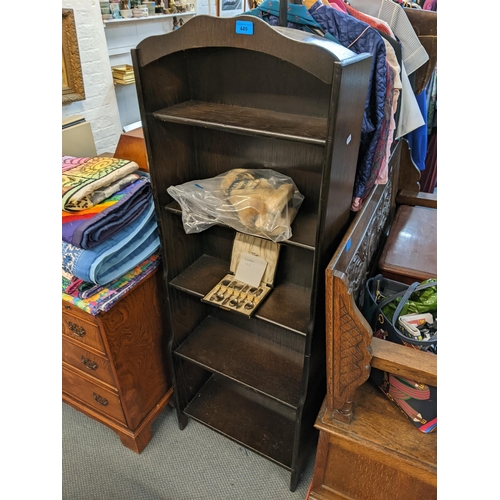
(244, 27)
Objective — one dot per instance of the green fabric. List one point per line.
(424, 301)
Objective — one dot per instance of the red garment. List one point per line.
(367, 19)
(428, 177)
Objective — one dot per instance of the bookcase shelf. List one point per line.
(303, 227)
(249, 121)
(212, 100)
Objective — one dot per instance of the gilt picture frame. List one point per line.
(72, 79)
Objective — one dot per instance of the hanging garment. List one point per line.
(378, 174)
(298, 17)
(392, 60)
(430, 5)
(360, 38)
(372, 21)
(410, 117)
(339, 4)
(432, 102)
(414, 54)
(417, 139)
(428, 179)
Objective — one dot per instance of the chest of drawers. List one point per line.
(114, 365)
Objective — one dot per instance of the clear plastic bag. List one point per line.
(259, 202)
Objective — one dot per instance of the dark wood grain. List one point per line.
(246, 358)
(286, 305)
(300, 114)
(303, 227)
(240, 415)
(250, 121)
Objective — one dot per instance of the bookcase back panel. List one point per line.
(236, 77)
(219, 152)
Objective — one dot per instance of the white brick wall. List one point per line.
(99, 108)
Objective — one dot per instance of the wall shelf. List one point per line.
(148, 18)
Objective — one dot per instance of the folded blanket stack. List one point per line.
(110, 237)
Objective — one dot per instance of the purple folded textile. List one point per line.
(88, 228)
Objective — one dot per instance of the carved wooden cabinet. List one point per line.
(213, 97)
(114, 364)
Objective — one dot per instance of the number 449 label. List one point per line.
(244, 28)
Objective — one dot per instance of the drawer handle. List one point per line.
(91, 365)
(102, 401)
(76, 329)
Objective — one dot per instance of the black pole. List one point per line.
(283, 12)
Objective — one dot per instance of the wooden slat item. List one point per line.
(405, 197)
(287, 304)
(251, 360)
(240, 415)
(247, 120)
(404, 361)
(410, 253)
(304, 226)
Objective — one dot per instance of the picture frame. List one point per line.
(72, 79)
(229, 8)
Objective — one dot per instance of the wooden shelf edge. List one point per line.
(185, 285)
(196, 407)
(213, 331)
(174, 208)
(183, 114)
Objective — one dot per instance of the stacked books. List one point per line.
(123, 74)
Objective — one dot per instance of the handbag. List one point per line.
(386, 302)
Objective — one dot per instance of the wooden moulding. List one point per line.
(72, 78)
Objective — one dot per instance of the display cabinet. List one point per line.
(224, 93)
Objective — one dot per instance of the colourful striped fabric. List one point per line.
(88, 228)
(80, 182)
(108, 295)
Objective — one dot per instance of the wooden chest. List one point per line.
(114, 364)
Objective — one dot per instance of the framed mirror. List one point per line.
(72, 79)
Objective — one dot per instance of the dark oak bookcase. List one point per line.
(212, 100)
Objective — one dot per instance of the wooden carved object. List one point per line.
(348, 334)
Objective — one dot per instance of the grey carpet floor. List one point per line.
(193, 464)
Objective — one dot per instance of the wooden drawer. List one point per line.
(68, 307)
(82, 331)
(87, 362)
(93, 395)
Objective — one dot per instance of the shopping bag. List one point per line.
(405, 315)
